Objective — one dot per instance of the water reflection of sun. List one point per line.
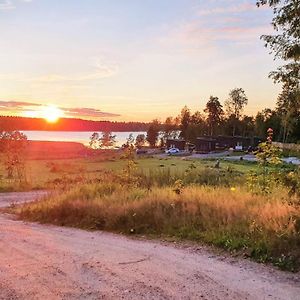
(50, 113)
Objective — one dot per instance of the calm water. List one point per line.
(74, 136)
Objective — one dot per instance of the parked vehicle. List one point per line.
(172, 151)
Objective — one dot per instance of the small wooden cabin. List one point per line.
(225, 142)
(205, 144)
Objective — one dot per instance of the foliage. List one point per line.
(140, 141)
(267, 154)
(234, 107)
(106, 140)
(214, 111)
(292, 181)
(288, 107)
(286, 43)
(153, 132)
(170, 128)
(13, 146)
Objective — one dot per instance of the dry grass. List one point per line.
(265, 228)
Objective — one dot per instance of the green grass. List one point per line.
(41, 173)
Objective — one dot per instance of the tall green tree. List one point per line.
(197, 127)
(288, 107)
(153, 132)
(214, 111)
(185, 119)
(285, 44)
(170, 128)
(234, 107)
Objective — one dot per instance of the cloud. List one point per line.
(15, 105)
(6, 5)
(87, 112)
(99, 70)
(204, 35)
(82, 112)
(9, 4)
(243, 7)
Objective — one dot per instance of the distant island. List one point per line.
(68, 124)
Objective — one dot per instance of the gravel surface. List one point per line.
(49, 262)
(7, 199)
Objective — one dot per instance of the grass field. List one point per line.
(40, 172)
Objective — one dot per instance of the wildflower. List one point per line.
(233, 189)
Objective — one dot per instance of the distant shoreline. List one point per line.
(69, 125)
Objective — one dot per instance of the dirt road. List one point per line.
(48, 262)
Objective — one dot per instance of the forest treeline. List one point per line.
(228, 119)
(8, 123)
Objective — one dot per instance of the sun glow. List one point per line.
(50, 113)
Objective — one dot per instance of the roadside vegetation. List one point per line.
(264, 227)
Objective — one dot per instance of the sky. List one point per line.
(132, 60)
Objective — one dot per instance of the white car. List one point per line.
(172, 151)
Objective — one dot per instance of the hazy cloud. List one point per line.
(10, 4)
(82, 112)
(6, 5)
(238, 8)
(15, 105)
(87, 112)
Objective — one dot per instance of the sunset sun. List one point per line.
(51, 113)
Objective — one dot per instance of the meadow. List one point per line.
(42, 173)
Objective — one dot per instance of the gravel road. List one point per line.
(49, 262)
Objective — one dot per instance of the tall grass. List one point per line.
(265, 228)
(162, 176)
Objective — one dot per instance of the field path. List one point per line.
(49, 262)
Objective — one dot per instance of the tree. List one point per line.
(94, 140)
(106, 140)
(185, 119)
(153, 132)
(286, 43)
(265, 119)
(247, 126)
(288, 107)
(130, 139)
(170, 128)
(196, 127)
(140, 140)
(235, 105)
(214, 111)
(13, 145)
